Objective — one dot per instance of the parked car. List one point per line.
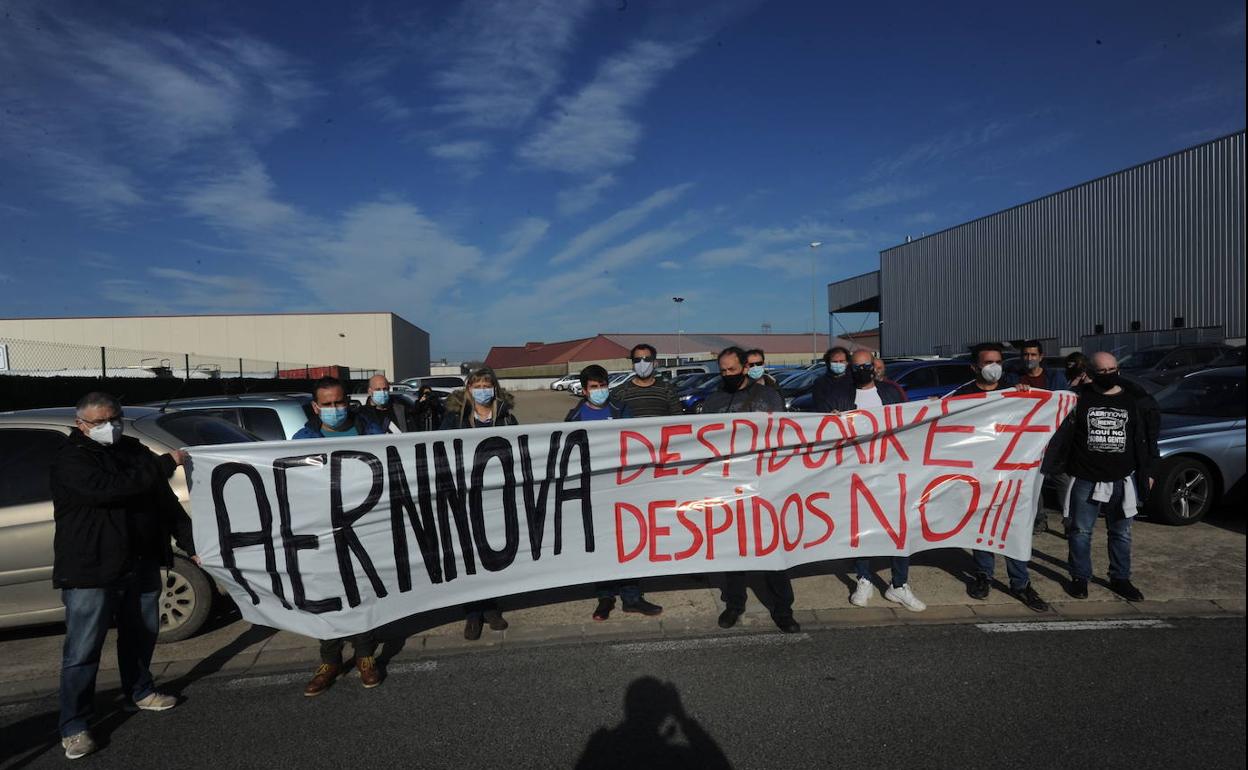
(691, 400)
(28, 442)
(919, 378)
(565, 382)
(443, 383)
(271, 416)
(1164, 364)
(1232, 357)
(676, 372)
(1202, 445)
(614, 380)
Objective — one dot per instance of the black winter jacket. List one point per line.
(112, 505)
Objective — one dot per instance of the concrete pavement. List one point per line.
(1183, 571)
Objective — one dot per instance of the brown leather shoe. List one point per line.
(325, 675)
(370, 675)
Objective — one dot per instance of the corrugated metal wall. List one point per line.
(852, 291)
(1161, 240)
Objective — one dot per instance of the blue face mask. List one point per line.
(381, 397)
(599, 396)
(837, 368)
(756, 371)
(483, 396)
(333, 416)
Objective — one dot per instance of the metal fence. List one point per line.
(33, 358)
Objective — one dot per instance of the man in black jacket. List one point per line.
(114, 514)
(738, 393)
(1107, 446)
(835, 384)
(389, 413)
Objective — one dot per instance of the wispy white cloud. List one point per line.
(937, 149)
(241, 198)
(97, 108)
(501, 59)
(467, 151)
(596, 128)
(668, 264)
(619, 223)
(519, 241)
(883, 195)
(785, 250)
(584, 197)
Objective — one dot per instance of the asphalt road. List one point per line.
(1159, 694)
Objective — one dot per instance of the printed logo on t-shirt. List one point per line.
(1107, 430)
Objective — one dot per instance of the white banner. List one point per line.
(331, 537)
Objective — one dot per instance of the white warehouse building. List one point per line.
(380, 341)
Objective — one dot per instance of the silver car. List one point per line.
(1201, 443)
(28, 442)
(271, 416)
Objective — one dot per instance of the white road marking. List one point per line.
(1070, 625)
(284, 679)
(716, 641)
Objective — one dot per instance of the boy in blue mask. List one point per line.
(596, 404)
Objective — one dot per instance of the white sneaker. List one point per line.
(78, 745)
(156, 701)
(863, 593)
(905, 597)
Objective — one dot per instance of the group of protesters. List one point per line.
(115, 514)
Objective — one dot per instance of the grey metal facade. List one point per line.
(1156, 242)
(860, 294)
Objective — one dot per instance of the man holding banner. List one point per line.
(868, 393)
(739, 393)
(331, 419)
(988, 366)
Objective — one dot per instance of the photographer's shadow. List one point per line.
(656, 734)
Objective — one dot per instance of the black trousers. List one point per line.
(778, 583)
(478, 609)
(364, 645)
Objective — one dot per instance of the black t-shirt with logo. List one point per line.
(1105, 431)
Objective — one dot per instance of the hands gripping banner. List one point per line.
(332, 537)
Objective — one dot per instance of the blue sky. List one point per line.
(499, 172)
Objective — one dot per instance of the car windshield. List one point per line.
(798, 383)
(1204, 396)
(201, 429)
(1143, 359)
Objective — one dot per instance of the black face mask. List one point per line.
(863, 374)
(1105, 380)
(1073, 372)
(732, 382)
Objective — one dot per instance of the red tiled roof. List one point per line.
(608, 346)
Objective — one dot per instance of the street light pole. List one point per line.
(678, 301)
(814, 337)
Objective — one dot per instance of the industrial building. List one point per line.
(612, 350)
(259, 343)
(1153, 254)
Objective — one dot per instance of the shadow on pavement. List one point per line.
(215, 661)
(656, 734)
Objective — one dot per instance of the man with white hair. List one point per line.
(114, 514)
(1107, 446)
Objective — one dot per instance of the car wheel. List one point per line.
(185, 600)
(1183, 493)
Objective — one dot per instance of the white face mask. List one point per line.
(990, 372)
(644, 369)
(105, 433)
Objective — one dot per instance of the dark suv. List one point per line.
(1164, 364)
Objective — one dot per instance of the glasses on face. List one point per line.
(755, 363)
(639, 359)
(1111, 370)
(95, 423)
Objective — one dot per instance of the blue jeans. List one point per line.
(132, 600)
(630, 592)
(986, 563)
(901, 569)
(1083, 513)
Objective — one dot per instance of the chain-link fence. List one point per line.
(57, 359)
